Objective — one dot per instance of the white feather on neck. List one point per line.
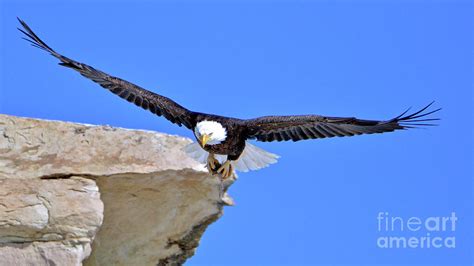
(216, 132)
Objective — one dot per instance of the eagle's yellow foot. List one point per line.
(212, 164)
(226, 170)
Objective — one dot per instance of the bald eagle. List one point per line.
(222, 141)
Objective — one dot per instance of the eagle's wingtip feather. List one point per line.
(412, 121)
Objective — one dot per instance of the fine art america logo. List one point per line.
(416, 232)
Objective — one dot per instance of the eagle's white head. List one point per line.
(210, 133)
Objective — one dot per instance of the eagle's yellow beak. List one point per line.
(204, 139)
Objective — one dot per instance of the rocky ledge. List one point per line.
(73, 194)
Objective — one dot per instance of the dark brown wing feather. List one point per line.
(295, 128)
(155, 103)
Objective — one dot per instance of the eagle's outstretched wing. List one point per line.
(148, 100)
(280, 128)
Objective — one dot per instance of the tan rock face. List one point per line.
(124, 197)
(32, 148)
(45, 221)
(153, 208)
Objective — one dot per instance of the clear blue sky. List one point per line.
(320, 203)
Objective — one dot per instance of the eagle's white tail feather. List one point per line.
(252, 158)
(195, 151)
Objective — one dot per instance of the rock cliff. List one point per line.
(73, 194)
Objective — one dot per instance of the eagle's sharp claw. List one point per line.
(212, 164)
(226, 170)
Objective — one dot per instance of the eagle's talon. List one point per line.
(212, 164)
(226, 170)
